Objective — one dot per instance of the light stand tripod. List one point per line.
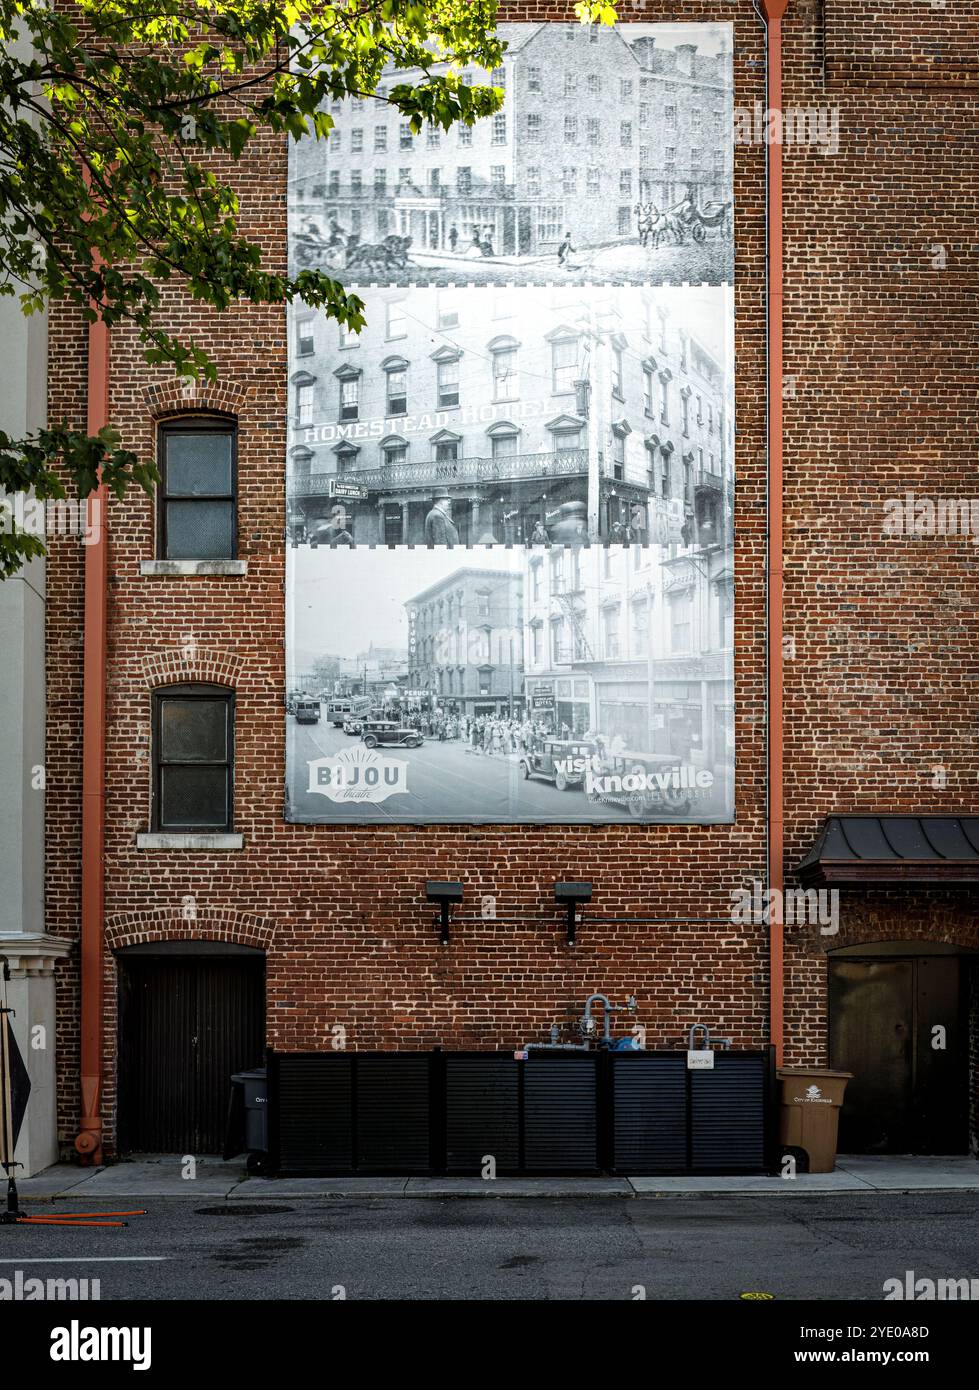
(10, 1121)
(7, 1137)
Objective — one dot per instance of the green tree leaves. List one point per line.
(116, 116)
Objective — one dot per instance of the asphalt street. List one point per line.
(821, 1248)
(446, 781)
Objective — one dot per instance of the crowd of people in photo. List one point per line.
(567, 525)
(502, 735)
(491, 734)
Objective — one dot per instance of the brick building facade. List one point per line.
(643, 124)
(470, 672)
(880, 692)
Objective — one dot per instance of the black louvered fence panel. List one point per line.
(560, 1117)
(650, 1113)
(313, 1110)
(482, 1113)
(392, 1112)
(726, 1115)
(414, 1113)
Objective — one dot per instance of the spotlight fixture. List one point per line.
(443, 894)
(571, 894)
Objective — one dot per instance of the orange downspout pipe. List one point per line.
(772, 12)
(88, 1142)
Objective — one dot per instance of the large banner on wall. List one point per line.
(510, 574)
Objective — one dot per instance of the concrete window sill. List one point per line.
(166, 569)
(173, 840)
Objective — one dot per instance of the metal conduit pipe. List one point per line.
(771, 13)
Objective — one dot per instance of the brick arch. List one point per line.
(938, 923)
(174, 665)
(169, 924)
(177, 397)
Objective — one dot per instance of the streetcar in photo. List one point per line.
(345, 707)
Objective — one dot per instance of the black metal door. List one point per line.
(184, 1026)
(393, 527)
(899, 1026)
(941, 1051)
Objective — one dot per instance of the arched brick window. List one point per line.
(193, 758)
(197, 495)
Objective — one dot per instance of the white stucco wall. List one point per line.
(31, 955)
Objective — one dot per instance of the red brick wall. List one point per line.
(880, 348)
(881, 341)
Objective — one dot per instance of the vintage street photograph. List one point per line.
(610, 161)
(541, 683)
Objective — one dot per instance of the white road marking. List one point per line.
(88, 1260)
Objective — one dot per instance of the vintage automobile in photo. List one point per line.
(562, 761)
(307, 711)
(390, 733)
(354, 723)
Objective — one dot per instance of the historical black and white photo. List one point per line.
(542, 415)
(609, 162)
(540, 683)
(510, 496)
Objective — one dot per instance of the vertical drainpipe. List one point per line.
(88, 1141)
(771, 12)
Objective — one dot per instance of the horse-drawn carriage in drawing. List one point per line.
(338, 252)
(653, 225)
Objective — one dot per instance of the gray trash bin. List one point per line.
(255, 1088)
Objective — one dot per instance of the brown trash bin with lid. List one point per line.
(809, 1112)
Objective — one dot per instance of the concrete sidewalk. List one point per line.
(163, 1178)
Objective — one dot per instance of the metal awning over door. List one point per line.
(868, 850)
